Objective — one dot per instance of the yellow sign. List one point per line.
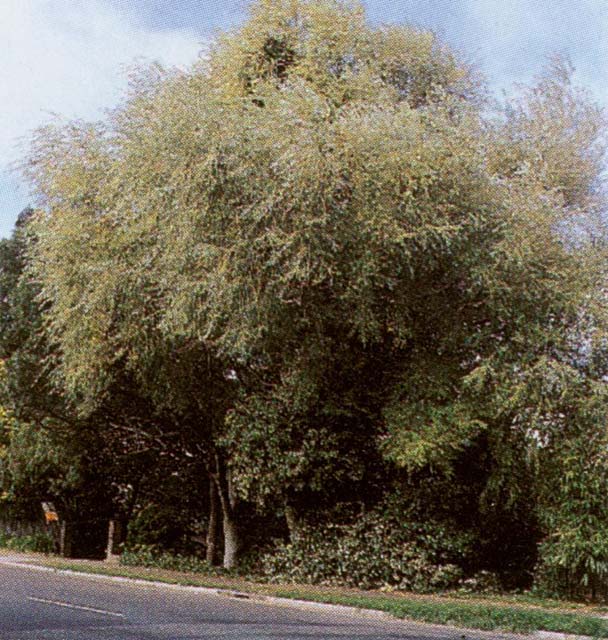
(50, 513)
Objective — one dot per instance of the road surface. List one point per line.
(36, 605)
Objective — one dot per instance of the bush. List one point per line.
(41, 542)
(375, 551)
(482, 582)
(574, 564)
(153, 556)
(160, 527)
(573, 558)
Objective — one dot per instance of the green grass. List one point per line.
(533, 600)
(522, 614)
(473, 616)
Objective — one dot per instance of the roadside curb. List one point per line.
(278, 601)
(216, 591)
(554, 635)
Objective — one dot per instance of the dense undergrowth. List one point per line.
(37, 542)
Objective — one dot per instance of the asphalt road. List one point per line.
(53, 606)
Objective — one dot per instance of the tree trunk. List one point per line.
(65, 540)
(228, 503)
(231, 542)
(211, 539)
(293, 522)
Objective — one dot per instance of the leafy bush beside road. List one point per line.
(38, 542)
(152, 556)
(371, 553)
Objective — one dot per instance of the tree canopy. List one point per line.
(339, 265)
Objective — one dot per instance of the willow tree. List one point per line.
(367, 259)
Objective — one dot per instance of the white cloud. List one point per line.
(69, 57)
(514, 39)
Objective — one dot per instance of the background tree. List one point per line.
(83, 463)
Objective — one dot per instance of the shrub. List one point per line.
(574, 564)
(573, 558)
(41, 542)
(158, 526)
(373, 552)
(153, 556)
(482, 582)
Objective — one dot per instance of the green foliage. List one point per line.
(375, 551)
(159, 526)
(319, 260)
(482, 582)
(306, 436)
(150, 555)
(573, 559)
(38, 542)
(39, 458)
(485, 616)
(35, 464)
(156, 557)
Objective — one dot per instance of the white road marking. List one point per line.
(67, 605)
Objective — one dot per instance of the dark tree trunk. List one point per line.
(211, 539)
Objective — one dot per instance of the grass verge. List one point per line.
(503, 613)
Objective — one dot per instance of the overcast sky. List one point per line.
(67, 57)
